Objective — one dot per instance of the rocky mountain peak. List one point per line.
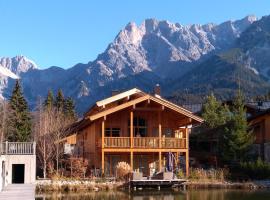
(18, 64)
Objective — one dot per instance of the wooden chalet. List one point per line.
(135, 127)
(259, 124)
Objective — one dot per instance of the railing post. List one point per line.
(34, 148)
(6, 147)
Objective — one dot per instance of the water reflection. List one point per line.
(161, 195)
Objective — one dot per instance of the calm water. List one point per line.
(164, 195)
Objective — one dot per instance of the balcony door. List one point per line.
(139, 127)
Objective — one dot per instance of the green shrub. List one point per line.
(180, 174)
(256, 170)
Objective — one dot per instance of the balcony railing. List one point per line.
(145, 142)
(18, 148)
(118, 142)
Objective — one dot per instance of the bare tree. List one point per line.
(45, 143)
(51, 125)
(60, 126)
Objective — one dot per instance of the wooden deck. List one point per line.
(18, 191)
(157, 183)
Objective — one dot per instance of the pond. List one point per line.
(162, 195)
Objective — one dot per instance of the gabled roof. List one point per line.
(118, 97)
(101, 109)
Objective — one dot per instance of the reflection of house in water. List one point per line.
(18, 163)
(134, 127)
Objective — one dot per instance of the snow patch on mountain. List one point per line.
(6, 72)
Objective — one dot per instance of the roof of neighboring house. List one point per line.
(194, 108)
(259, 114)
(127, 99)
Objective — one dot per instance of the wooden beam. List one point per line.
(160, 160)
(131, 161)
(187, 152)
(127, 150)
(102, 133)
(176, 108)
(118, 97)
(187, 138)
(102, 150)
(131, 129)
(147, 109)
(102, 162)
(120, 107)
(159, 129)
(187, 164)
(184, 121)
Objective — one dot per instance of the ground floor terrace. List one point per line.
(148, 163)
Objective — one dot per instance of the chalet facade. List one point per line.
(259, 123)
(135, 127)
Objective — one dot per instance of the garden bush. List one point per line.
(122, 170)
(256, 170)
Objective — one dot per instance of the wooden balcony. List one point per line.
(145, 143)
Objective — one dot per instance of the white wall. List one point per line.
(29, 162)
(2, 158)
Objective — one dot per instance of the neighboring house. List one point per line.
(205, 145)
(138, 128)
(260, 125)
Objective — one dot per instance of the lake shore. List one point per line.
(76, 185)
(98, 185)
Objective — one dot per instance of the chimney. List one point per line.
(115, 92)
(157, 90)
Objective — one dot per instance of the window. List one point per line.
(139, 127)
(112, 132)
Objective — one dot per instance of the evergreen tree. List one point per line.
(19, 119)
(214, 113)
(49, 101)
(59, 100)
(70, 108)
(237, 139)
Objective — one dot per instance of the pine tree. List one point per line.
(70, 108)
(59, 100)
(49, 101)
(214, 113)
(19, 119)
(237, 139)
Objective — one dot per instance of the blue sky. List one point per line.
(65, 32)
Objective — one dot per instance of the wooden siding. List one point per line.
(162, 127)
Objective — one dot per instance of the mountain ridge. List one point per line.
(142, 55)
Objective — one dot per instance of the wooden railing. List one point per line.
(117, 142)
(173, 143)
(18, 148)
(144, 142)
